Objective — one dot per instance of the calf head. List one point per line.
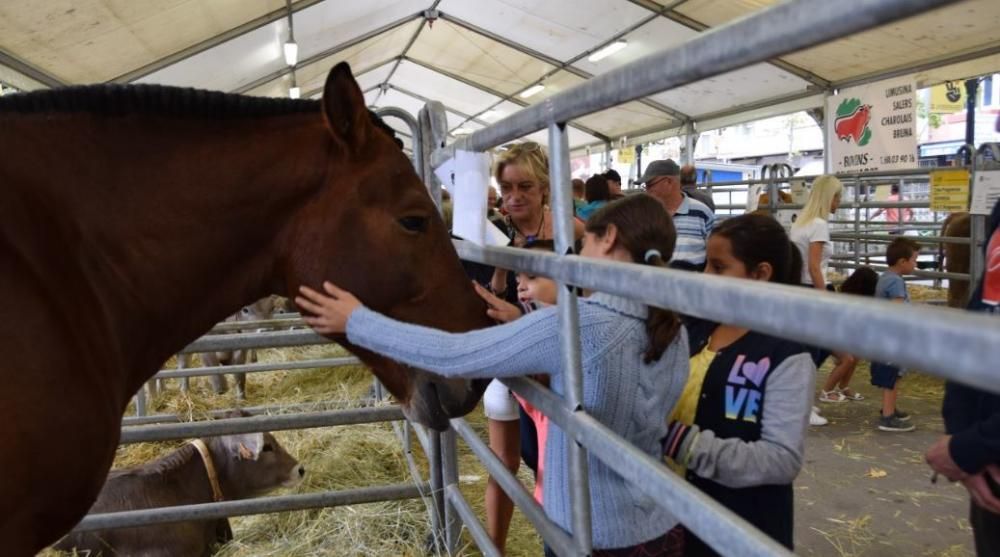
(253, 463)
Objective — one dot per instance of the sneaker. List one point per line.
(817, 420)
(832, 396)
(892, 423)
(901, 416)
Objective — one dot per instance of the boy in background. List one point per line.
(901, 255)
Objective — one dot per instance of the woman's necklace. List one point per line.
(538, 233)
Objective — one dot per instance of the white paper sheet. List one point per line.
(985, 192)
(472, 177)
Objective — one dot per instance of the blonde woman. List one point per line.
(811, 234)
(522, 171)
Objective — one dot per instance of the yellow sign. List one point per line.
(948, 97)
(949, 190)
(626, 155)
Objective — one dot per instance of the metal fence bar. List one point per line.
(916, 273)
(732, 46)
(252, 424)
(261, 505)
(716, 525)
(257, 368)
(949, 344)
(890, 237)
(270, 339)
(569, 326)
(553, 535)
(230, 326)
(415, 132)
(449, 476)
(468, 516)
(252, 410)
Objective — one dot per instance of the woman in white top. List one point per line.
(811, 234)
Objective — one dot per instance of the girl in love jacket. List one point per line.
(746, 444)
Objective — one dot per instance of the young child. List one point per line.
(901, 256)
(739, 428)
(634, 359)
(533, 292)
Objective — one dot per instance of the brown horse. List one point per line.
(954, 258)
(124, 210)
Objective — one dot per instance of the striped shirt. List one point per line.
(693, 221)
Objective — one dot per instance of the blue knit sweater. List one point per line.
(631, 398)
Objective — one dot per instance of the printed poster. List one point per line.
(873, 127)
(950, 190)
(985, 192)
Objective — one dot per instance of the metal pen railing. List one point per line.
(769, 33)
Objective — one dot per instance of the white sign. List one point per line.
(471, 179)
(985, 191)
(873, 127)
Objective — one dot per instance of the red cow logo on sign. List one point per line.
(852, 122)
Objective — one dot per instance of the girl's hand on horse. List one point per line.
(331, 312)
(499, 309)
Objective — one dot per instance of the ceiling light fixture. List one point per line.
(294, 92)
(533, 90)
(607, 51)
(291, 53)
(491, 114)
(461, 131)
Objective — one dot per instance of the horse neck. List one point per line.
(180, 221)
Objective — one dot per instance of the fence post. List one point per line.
(562, 206)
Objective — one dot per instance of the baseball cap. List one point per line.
(666, 167)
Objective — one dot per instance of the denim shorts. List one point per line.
(884, 376)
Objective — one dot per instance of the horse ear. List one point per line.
(344, 106)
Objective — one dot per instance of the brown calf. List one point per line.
(244, 465)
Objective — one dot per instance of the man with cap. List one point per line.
(692, 218)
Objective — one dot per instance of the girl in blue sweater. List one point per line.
(739, 429)
(634, 362)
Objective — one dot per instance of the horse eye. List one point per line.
(414, 224)
(246, 311)
(267, 448)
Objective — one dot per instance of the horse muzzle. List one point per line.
(436, 400)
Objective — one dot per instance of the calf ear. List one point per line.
(244, 447)
(344, 107)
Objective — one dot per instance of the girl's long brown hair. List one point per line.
(643, 225)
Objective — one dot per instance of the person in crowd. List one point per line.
(970, 450)
(522, 171)
(689, 185)
(861, 282)
(633, 356)
(692, 218)
(739, 429)
(533, 292)
(579, 195)
(492, 204)
(893, 214)
(811, 235)
(614, 183)
(598, 195)
(901, 256)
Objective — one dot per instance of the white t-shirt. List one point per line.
(816, 230)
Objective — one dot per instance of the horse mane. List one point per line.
(181, 102)
(115, 99)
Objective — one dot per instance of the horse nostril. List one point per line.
(302, 471)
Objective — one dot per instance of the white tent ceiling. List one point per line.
(475, 56)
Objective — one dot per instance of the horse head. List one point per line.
(374, 230)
